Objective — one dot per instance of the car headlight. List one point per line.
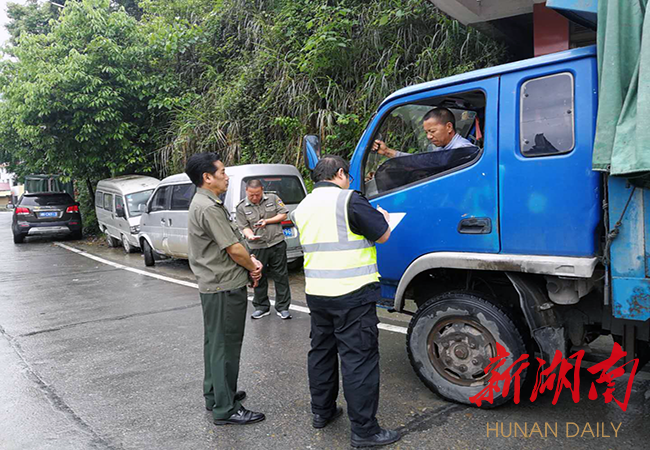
(135, 229)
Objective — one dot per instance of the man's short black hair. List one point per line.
(254, 184)
(328, 166)
(199, 164)
(442, 115)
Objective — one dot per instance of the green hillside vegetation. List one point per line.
(101, 88)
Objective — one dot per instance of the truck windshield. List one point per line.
(133, 202)
(288, 188)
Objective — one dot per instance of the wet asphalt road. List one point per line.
(93, 356)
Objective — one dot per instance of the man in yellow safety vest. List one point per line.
(338, 230)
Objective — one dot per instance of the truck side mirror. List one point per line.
(311, 150)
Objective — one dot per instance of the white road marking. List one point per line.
(302, 309)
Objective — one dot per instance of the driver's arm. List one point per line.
(381, 148)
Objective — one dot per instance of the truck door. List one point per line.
(550, 197)
(448, 198)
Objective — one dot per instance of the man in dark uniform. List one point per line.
(259, 218)
(338, 230)
(222, 265)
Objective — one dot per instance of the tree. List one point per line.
(31, 18)
(76, 101)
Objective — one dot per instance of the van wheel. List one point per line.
(450, 342)
(147, 251)
(126, 245)
(110, 240)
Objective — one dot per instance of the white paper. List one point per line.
(395, 219)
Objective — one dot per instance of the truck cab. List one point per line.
(499, 242)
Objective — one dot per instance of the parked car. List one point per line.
(119, 203)
(163, 227)
(46, 213)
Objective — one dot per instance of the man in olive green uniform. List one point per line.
(259, 217)
(222, 265)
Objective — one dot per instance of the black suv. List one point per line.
(46, 214)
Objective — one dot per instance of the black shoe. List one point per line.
(384, 437)
(321, 422)
(241, 417)
(239, 397)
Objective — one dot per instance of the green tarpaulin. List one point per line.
(622, 144)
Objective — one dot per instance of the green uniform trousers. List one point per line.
(275, 266)
(224, 318)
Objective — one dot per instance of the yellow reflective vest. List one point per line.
(337, 261)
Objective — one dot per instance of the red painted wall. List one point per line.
(550, 30)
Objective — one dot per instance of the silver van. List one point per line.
(119, 203)
(163, 228)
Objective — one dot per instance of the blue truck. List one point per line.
(513, 240)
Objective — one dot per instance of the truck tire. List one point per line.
(451, 339)
(147, 251)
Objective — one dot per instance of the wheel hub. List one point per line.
(460, 349)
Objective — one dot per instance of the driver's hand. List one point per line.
(380, 147)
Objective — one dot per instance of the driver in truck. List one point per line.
(440, 127)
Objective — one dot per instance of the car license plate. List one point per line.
(47, 214)
(288, 232)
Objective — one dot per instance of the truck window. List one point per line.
(108, 202)
(546, 122)
(416, 157)
(182, 196)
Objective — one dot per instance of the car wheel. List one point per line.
(147, 251)
(110, 240)
(450, 342)
(19, 238)
(76, 235)
(126, 245)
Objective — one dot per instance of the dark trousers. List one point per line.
(275, 266)
(224, 317)
(351, 334)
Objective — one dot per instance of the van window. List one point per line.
(416, 156)
(546, 122)
(108, 202)
(182, 196)
(119, 203)
(99, 199)
(159, 200)
(287, 187)
(137, 201)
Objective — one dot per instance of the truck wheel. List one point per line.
(110, 240)
(147, 251)
(450, 342)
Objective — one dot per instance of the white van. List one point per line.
(163, 229)
(119, 203)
